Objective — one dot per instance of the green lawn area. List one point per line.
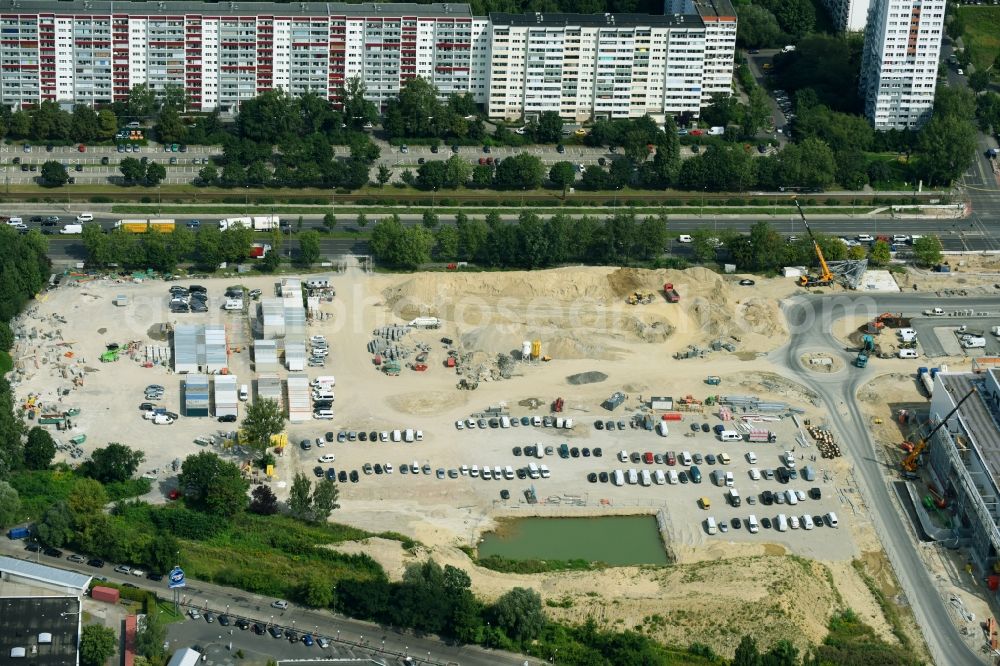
(6, 363)
(982, 33)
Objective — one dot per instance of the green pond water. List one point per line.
(616, 540)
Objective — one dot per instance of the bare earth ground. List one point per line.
(722, 586)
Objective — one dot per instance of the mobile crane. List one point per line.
(910, 461)
(825, 279)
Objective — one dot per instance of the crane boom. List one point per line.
(826, 277)
(910, 461)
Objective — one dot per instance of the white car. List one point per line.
(327, 458)
(807, 522)
(623, 455)
(318, 351)
(755, 474)
(789, 458)
(751, 457)
(283, 605)
(908, 353)
(85, 217)
(320, 339)
(388, 468)
(460, 425)
(793, 522)
(900, 238)
(685, 238)
(865, 238)
(470, 424)
(801, 495)
(162, 419)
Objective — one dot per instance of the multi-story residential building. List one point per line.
(900, 60)
(586, 66)
(848, 15)
(581, 66)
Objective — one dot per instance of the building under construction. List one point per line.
(963, 461)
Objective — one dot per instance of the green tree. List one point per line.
(651, 238)
(549, 128)
(208, 247)
(430, 220)
(132, 170)
(927, 250)
(768, 247)
(357, 108)
(432, 175)
(107, 124)
(10, 504)
(55, 529)
(518, 613)
(6, 336)
(471, 236)
(562, 174)
(208, 175)
(299, 497)
(703, 246)
(880, 254)
(149, 641)
(415, 111)
(446, 241)
(97, 644)
(53, 174)
(384, 175)
(84, 126)
(855, 252)
(947, 145)
(324, 500)
(747, 653)
(113, 464)
(361, 221)
(163, 553)
(309, 247)
(520, 172)
(457, 172)
(316, 591)
(482, 176)
(155, 173)
(979, 80)
(722, 109)
(214, 485)
(263, 502)
(757, 27)
(141, 101)
(329, 220)
(263, 419)
(169, 126)
(39, 450)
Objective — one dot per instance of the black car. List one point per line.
(36, 218)
(592, 477)
(705, 427)
(363, 436)
(227, 418)
(815, 493)
(33, 547)
(293, 637)
(765, 522)
(434, 148)
(585, 452)
(342, 476)
(354, 476)
(531, 451)
(694, 427)
(494, 423)
(454, 148)
(517, 450)
(257, 629)
(560, 149)
(146, 406)
(329, 436)
(603, 477)
(224, 620)
(682, 476)
(782, 474)
(154, 577)
(133, 585)
(599, 425)
(575, 452)
(598, 452)
(199, 296)
(97, 563)
(736, 523)
(318, 471)
(767, 498)
(710, 458)
(331, 474)
(197, 287)
(378, 468)
(818, 521)
(242, 624)
(52, 552)
(521, 474)
(373, 436)
(275, 632)
(635, 457)
(505, 494)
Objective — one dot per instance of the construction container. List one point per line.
(673, 416)
(107, 594)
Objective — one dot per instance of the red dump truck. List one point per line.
(671, 293)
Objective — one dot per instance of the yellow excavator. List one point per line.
(910, 461)
(825, 279)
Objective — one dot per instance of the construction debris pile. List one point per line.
(828, 448)
(384, 343)
(694, 351)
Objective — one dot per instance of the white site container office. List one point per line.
(299, 400)
(226, 396)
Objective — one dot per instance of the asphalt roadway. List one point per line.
(957, 235)
(809, 319)
(347, 636)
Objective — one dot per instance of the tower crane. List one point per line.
(910, 461)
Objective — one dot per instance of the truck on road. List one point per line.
(934, 312)
(18, 533)
(425, 322)
(671, 293)
(257, 223)
(141, 226)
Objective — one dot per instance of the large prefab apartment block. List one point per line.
(221, 54)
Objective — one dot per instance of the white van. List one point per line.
(474, 472)
(487, 473)
(646, 479)
(807, 522)
(317, 283)
(910, 353)
(673, 477)
(791, 498)
(85, 217)
(325, 414)
(662, 429)
(971, 343)
(325, 380)
(533, 470)
(752, 525)
(560, 422)
(568, 424)
(322, 394)
(659, 477)
(619, 478)
(730, 436)
(397, 436)
(730, 481)
(544, 471)
(504, 421)
(244, 392)
(327, 458)
(686, 458)
(782, 523)
(633, 477)
(831, 519)
(710, 526)
(408, 435)
(508, 472)
(907, 334)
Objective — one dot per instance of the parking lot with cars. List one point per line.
(957, 335)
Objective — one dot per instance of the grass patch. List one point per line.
(127, 489)
(505, 565)
(6, 363)
(40, 489)
(889, 609)
(982, 33)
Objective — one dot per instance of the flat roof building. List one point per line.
(964, 459)
(43, 631)
(200, 348)
(196, 396)
(61, 581)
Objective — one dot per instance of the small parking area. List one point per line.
(939, 336)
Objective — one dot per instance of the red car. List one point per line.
(647, 457)
(696, 132)
(671, 458)
(82, 148)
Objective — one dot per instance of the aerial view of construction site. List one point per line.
(731, 454)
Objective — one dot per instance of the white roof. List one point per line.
(185, 657)
(44, 574)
